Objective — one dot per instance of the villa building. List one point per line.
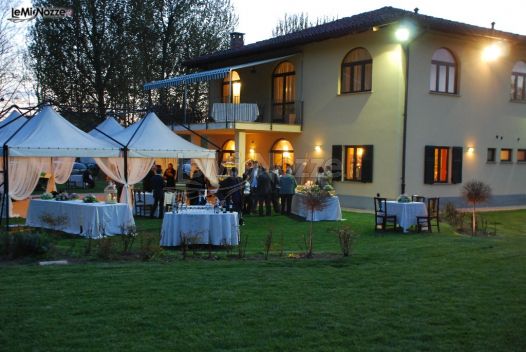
(395, 101)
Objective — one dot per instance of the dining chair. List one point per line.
(381, 218)
(433, 214)
(417, 198)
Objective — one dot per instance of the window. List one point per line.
(283, 91)
(518, 81)
(442, 165)
(505, 155)
(441, 171)
(232, 83)
(228, 151)
(521, 155)
(491, 155)
(357, 71)
(357, 160)
(443, 75)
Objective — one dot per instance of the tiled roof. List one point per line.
(350, 25)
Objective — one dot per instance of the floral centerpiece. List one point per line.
(403, 199)
(46, 196)
(64, 196)
(90, 198)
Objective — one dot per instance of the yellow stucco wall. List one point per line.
(481, 111)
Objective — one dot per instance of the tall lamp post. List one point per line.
(403, 35)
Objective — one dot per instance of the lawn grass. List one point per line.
(398, 292)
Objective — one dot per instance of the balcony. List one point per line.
(286, 117)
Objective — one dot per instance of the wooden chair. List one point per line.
(416, 198)
(381, 219)
(433, 211)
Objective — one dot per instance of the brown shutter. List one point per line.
(456, 165)
(336, 163)
(429, 165)
(367, 164)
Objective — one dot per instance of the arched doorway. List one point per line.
(229, 151)
(282, 154)
(231, 84)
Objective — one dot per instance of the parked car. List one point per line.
(78, 169)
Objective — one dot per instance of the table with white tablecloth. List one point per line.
(406, 213)
(331, 211)
(200, 226)
(79, 218)
(222, 112)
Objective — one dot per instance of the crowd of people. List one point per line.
(257, 191)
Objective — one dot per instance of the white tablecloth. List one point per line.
(222, 112)
(406, 213)
(332, 211)
(200, 227)
(85, 219)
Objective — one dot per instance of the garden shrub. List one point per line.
(24, 244)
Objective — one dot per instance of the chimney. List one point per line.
(492, 25)
(416, 10)
(236, 40)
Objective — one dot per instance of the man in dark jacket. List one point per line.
(274, 182)
(157, 183)
(263, 191)
(196, 186)
(146, 182)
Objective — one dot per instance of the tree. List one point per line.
(296, 22)
(475, 192)
(103, 55)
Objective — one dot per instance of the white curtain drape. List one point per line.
(137, 170)
(23, 177)
(60, 170)
(209, 169)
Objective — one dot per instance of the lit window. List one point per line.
(518, 81)
(505, 155)
(232, 83)
(357, 69)
(441, 172)
(521, 155)
(491, 155)
(283, 91)
(443, 75)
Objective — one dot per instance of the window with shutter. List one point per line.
(358, 162)
(336, 163)
(456, 164)
(367, 164)
(429, 165)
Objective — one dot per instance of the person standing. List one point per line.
(274, 182)
(263, 192)
(157, 183)
(287, 186)
(146, 182)
(321, 178)
(169, 175)
(328, 174)
(253, 180)
(233, 191)
(196, 185)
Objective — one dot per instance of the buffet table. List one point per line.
(332, 210)
(406, 213)
(200, 226)
(79, 218)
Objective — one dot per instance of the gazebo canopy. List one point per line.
(109, 126)
(151, 138)
(8, 126)
(47, 134)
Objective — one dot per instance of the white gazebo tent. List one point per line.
(45, 143)
(107, 127)
(145, 140)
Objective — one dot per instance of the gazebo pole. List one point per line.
(6, 185)
(125, 151)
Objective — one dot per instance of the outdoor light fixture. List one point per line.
(317, 148)
(252, 150)
(492, 52)
(402, 34)
(471, 150)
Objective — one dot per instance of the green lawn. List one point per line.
(398, 292)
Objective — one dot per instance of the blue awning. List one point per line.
(218, 73)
